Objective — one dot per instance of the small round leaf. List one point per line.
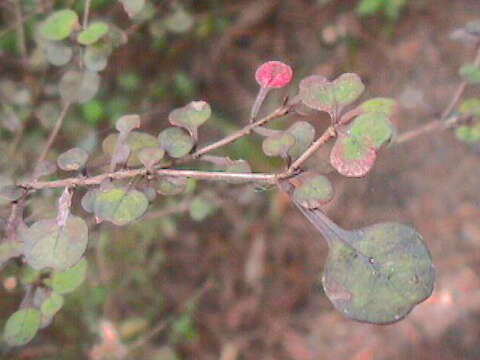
(120, 206)
(373, 128)
(150, 156)
(382, 105)
(314, 191)
(59, 25)
(278, 145)
(127, 123)
(79, 86)
(22, 326)
(351, 157)
(190, 116)
(136, 141)
(274, 74)
(72, 159)
(57, 53)
(93, 33)
(96, 56)
(304, 133)
(51, 305)
(67, 281)
(175, 142)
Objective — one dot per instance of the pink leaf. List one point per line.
(274, 74)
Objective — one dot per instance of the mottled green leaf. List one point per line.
(136, 141)
(67, 281)
(52, 304)
(373, 129)
(191, 116)
(278, 145)
(94, 32)
(167, 185)
(79, 86)
(72, 159)
(471, 73)
(318, 93)
(22, 326)
(46, 245)
(176, 142)
(59, 25)
(313, 190)
(150, 156)
(120, 206)
(304, 133)
(375, 274)
(351, 157)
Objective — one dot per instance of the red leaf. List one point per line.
(274, 74)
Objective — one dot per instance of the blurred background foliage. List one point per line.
(231, 272)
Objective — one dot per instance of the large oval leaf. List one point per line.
(382, 273)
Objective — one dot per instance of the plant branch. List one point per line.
(20, 30)
(445, 121)
(54, 133)
(86, 13)
(278, 113)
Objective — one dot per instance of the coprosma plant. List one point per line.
(375, 274)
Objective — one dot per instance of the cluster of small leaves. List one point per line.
(61, 37)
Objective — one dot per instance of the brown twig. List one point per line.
(445, 121)
(54, 133)
(86, 13)
(20, 30)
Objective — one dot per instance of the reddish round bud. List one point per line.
(274, 74)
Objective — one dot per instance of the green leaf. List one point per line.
(127, 123)
(382, 105)
(304, 133)
(318, 93)
(67, 281)
(175, 142)
(468, 134)
(136, 141)
(470, 107)
(120, 206)
(201, 207)
(132, 7)
(46, 245)
(375, 274)
(150, 156)
(372, 128)
(278, 145)
(379, 279)
(73, 159)
(79, 86)
(22, 326)
(52, 305)
(191, 116)
(93, 33)
(96, 56)
(352, 157)
(57, 53)
(59, 25)
(167, 185)
(313, 191)
(471, 73)
(88, 200)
